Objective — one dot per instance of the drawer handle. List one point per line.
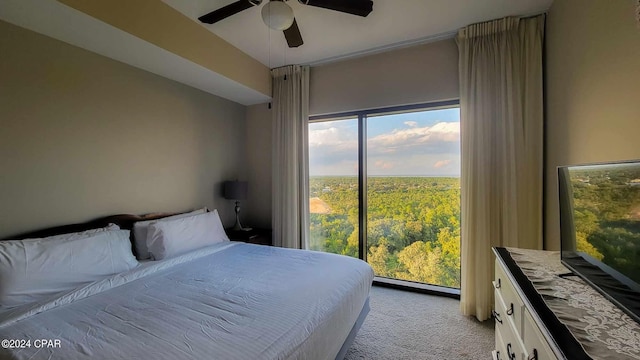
(496, 316)
(510, 354)
(510, 310)
(497, 355)
(533, 356)
(498, 285)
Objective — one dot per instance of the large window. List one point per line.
(385, 187)
(333, 186)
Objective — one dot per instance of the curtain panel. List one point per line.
(501, 115)
(290, 117)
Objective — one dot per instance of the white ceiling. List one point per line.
(330, 35)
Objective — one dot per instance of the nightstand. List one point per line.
(254, 236)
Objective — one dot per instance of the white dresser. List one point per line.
(519, 336)
(543, 312)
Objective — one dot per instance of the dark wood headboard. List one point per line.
(125, 221)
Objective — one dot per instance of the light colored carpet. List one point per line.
(406, 325)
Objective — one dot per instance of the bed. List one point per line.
(226, 300)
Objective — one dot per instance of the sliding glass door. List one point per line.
(406, 221)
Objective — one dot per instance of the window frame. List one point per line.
(362, 116)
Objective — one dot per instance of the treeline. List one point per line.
(413, 225)
(607, 216)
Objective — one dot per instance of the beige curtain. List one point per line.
(290, 111)
(502, 143)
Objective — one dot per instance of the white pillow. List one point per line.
(83, 234)
(140, 232)
(173, 237)
(33, 269)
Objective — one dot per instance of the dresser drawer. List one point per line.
(508, 345)
(500, 353)
(535, 342)
(507, 333)
(513, 305)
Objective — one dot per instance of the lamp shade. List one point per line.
(236, 190)
(277, 15)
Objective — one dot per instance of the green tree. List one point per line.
(378, 257)
(413, 230)
(422, 262)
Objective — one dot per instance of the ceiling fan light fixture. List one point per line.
(277, 15)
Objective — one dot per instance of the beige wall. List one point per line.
(84, 136)
(258, 209)
(424, 73)
(592, 90)
(418, 74)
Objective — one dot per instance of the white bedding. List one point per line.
(227, 301)
(36, 269)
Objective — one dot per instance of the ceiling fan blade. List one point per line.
(293, 36)
(355, 7)
(226, 11)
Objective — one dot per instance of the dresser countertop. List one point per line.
(602, 329)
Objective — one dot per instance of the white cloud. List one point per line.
(416, 164)
(334, 137)
(443, 137)
(440, 132)
(441, 163)
(410, 150)
(383, 165)
(333, 149)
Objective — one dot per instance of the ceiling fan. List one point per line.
(277, 15)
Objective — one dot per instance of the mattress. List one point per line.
(228, 301)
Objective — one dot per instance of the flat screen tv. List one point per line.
(600, 229)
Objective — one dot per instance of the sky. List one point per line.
(425, 143)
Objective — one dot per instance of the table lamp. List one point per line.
(236, 190)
